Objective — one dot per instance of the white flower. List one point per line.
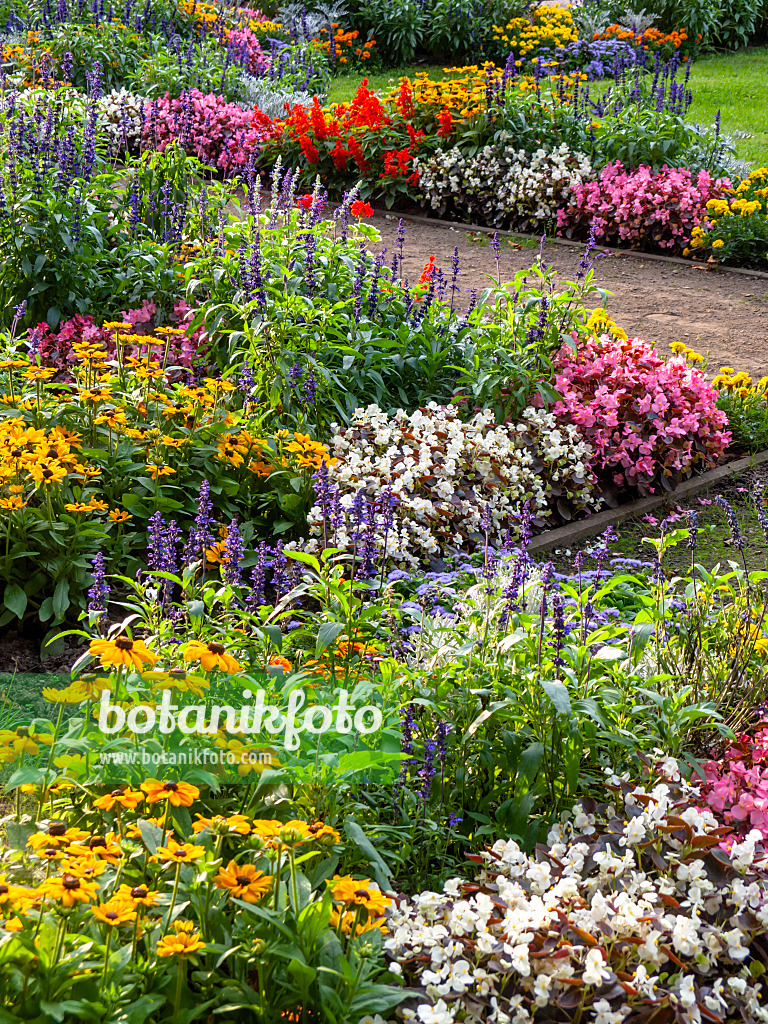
(686, 990)
(594, 968)
(440, 1013)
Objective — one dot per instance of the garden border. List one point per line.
(678, 260)
(564, 536)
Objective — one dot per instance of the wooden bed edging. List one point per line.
(566, 535)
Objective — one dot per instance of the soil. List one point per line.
(21, 653)
(713, 311)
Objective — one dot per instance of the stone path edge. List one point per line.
(691, 264)
(564, 536)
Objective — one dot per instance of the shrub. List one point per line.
(650, 422)
(640, 207)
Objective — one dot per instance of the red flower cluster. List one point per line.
(365, 138)
(361, 209)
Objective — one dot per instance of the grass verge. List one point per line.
(733, 83)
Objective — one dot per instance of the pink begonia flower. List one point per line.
(644, 417)
(641, 206)
(218, 133)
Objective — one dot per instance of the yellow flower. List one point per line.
(211, 655)
(157, 471)
(718, 243)
(243, 881)
(115, 913)
(181, 944)
(122, 652)
(178, 794)
(180, 853)
(119, 516)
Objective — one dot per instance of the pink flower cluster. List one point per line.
(645, 418)
(55, 349)
(183, 349)
(737, 786)
(641, 207)
(243, 39)
(216, 132)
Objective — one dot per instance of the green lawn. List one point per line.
(736, 84)
(344, 87)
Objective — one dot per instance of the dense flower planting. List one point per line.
(633, 906)
(503, 187)
(641, 207)
(438, 473)
(326, 737)
(650, 422)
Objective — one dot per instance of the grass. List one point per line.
(344, 87)
(735, 84)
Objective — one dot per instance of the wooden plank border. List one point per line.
(565, 536)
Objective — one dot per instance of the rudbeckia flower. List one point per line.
(180, 794)
(122, 651)
(243, 881)
(70, 889)
(180, 853)
(211, 655)
(114, 913)
(180, 944)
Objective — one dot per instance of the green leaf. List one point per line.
(15, 599)
(61, 599)
(558, 694)
(379, 868)
(326, 635)
(151, 835)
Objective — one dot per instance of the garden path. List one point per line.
(713, 311)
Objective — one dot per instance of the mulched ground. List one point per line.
(712, 311)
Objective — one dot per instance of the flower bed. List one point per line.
(268, 505)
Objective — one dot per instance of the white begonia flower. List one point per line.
(541, 989)
(594, 972)
(605, 1015)
(686, 990)
(440, 1013)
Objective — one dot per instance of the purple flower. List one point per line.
(233, 555)
(98, 592)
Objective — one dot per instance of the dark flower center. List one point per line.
(362, 893)
(243, 880)
(139, 892)
(124, 644)
(57, 829)
(116, 792)
(96, 842)
(4, 889)
(70, 882)
(111, 915)
(171, 786)
(215, 648)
